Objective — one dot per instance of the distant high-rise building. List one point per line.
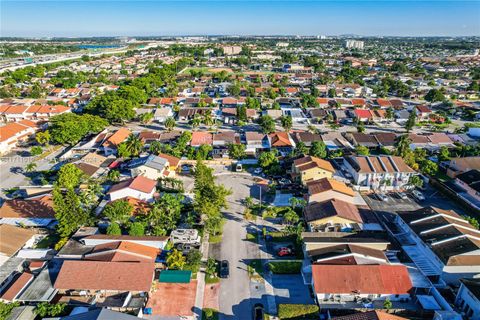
(354, 44)
(231, 50)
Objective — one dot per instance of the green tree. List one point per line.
(415, 181)
(118, 211)
(429, 167)
(45, 309)
(113, 175)
(136, 229)
(237, 151)
(122, 151)
(211, 267)
(114, 229)
(301, 148)
(204, 151)
(360, 127)
(170, 123)
(362, 150)
(193, 260)
(146, 117)
(69, 176)
(290, 217)
(43, 137)
(318, 149)
(36, 151)
(387, 304)
(412, 118)
(176, 260)
(267, 124)
(113, 107)
(70, 128)
(267, 159)
(443, 154)
(434, 95)
(69, 211)
(473, 221)
(6, 309)
(287, 122)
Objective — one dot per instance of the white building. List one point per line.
(140, 188)
(354, 44)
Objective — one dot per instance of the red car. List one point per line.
(284, 251)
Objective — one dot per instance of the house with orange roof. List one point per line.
(111, 143)
(44, 112)
(15, 132)
(201, 137)
(327, 189)
(140, 187)
(14, 113)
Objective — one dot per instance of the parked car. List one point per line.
(418, 195)
(185, 248)
(258, 312)
(284, 181)
(285, 251)
(402, 195)
(257, 170)
(381, 196)
(224, 269)
(239, 167)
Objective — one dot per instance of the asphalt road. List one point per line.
(235, 292)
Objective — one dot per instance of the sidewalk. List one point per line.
(201, 280)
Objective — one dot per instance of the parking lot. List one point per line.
(394, 204)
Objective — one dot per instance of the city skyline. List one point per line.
(174, 18)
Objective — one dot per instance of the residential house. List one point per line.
(153, 167)
(468, 298)
(93, 240)
(310, 168)
(335, 140)
(369, 315)
(81, 277)
(13, 239)
(282, 142)
(101, 314)
(468, 184)
(201, 137)
(140, 187)
(275, 114)
(362, 139)
(16, 287)
(305, 137)
(363, 115)
(347, 254)
(111, 143)
(14, 133)
(375, 172)
(366, 239)
(443, 241)
(423, 113)
(31, 212)
(256, 142)
(221, 142)
(385, 139)
(351, 283)
(122, 251)
(161, 114)
(458, 166)
(327, 189)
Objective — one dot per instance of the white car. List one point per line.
(257, 170)
(418, 195)
(401, 195)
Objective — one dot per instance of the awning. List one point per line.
(175, 276)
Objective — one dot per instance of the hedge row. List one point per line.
(285, 267)
(291, 311)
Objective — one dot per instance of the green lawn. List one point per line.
(215, 239)
(255, 269)
(211, 280)
(285, 267)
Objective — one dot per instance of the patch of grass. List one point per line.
(209, 314)
(48, 242)
(211, 280)
(285, 267)
(279, 236)
(255, 269)
(441, 176)
(215, 238)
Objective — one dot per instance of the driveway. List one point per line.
(289, 288)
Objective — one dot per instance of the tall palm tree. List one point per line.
(196, 121)
(207, 118)
(134, 145)
(170, 123)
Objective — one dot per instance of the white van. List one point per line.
(189, 236)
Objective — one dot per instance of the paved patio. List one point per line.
(173, 299)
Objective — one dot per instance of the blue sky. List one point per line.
(294, 17)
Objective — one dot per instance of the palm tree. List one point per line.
(196, 121)
(155, 147)
(31, 167)
(134, 145)
(146, 117)
(207, 118)
(169, 123)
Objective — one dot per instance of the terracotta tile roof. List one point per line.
(17, 286)
(48, 109)
(423, 109)
(418, 139)
(100, 275)
(327, 184)
(310, 162)
(13, 129)
(13, 238)
(254, 136)
(15, 109)
(199, 138)
(359, 102)
(123, 251)
(139, 183)
(39, 207)
(173, 161)
(280, 139)
(439, 137)
(118, 137)
(363, 113)
(383, 102)
(331, 208)
(229, 100)
(363, 279)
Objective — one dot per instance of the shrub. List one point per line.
(36, 151)
(285, 267)
(289, 311)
